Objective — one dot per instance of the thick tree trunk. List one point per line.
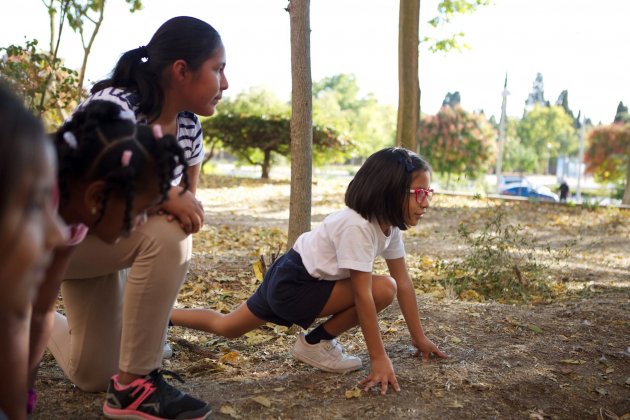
(408, 84)
(301, 120)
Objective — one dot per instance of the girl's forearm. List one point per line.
(368, 320)
(409, 308)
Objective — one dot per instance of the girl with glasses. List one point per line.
(328, 274)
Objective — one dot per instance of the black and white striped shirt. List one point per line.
(189, 133)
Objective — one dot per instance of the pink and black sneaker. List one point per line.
(152, 398)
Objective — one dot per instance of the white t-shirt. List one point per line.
(189, 132)
(346, 241)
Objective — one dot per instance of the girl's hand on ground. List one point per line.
(185, 208)
(382, 373)
(425, 347)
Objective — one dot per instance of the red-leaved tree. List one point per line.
(457, 142)
(608, 155)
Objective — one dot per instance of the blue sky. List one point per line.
(577, 45)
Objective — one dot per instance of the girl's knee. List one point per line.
(384, 290)
(92, 382)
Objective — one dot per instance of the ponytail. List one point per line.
(142, 69)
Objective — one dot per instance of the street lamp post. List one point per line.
(578, 190)
(502, 122)
(547, 171)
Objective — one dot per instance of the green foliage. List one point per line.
(255, 101)
(48, 88)
(517, 157)
(84, 17)
(255, 138)
(344, 87)
(548, 131)
(457, 142)
(504, 262)
(80, 11)
(563, 101)
(336, 104)
(447, 10)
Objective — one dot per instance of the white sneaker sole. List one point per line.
(318, 365)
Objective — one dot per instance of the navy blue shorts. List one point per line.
(288, 294)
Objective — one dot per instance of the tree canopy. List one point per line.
(254, 138)
(48, 87)
(607, 155)
(537, 95)
(457, 142)
(548, 131)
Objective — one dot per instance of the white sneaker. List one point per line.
(327, 355)
(167, 351)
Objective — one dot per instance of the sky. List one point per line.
(578, 45)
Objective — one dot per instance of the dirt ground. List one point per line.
(567, 357)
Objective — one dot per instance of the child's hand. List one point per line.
(185, 208)
(382, 373)
(425, 347)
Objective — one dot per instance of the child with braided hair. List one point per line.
(112, 171)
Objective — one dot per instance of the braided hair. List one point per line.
(101, 143)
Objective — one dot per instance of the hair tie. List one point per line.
(70, 139)
(407, 163)
(144, 53)
(157, 131)
(126, 158)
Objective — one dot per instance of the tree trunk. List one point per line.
(266, 165)
(626, 192)
(408, 84)
(301, 120)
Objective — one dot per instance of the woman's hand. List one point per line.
(382, 373)
(185, 208)
(425, 347)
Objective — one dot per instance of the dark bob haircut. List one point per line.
(381, 186)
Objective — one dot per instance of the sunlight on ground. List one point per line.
(246, 218)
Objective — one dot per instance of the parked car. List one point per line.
(526, 189)
(507, 181)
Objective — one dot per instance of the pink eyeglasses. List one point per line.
(422, 193)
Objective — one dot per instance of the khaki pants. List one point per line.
(118, 300)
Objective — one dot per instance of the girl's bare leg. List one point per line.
(230, 325)
(341, 303)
